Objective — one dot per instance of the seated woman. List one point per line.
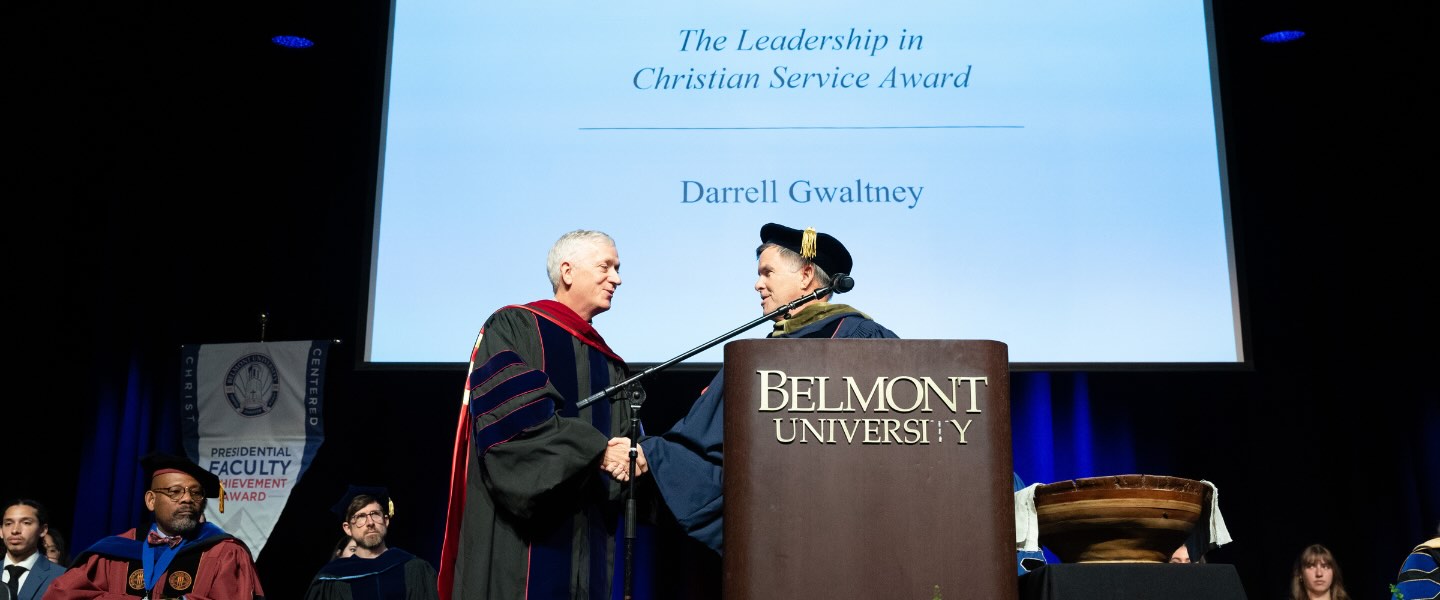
(345, 548)
(1317, 576)
(54, 546)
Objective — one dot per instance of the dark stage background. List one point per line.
(173, 175)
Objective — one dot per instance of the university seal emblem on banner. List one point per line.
(252, 385)
(252, 416)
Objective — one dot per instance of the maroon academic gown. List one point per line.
(224, 571)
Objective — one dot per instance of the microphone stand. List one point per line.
(631, 389)
(817, 294)
(637, 397)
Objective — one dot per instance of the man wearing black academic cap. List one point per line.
(376, 571)
(177, 556)
(687, 461)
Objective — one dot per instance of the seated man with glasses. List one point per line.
(180, 555)
(376, 570)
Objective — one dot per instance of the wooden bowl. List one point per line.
(1119, 518)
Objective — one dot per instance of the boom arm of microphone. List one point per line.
(839, 284)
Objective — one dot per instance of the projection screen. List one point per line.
(1050, 176)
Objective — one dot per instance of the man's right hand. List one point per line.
(617, 459)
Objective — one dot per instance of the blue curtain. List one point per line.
(130, 420)
(1058, 435)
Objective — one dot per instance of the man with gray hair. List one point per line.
(687, 462)
(532, 516)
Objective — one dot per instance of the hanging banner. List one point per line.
(252, 416)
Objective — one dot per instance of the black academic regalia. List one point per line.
(532, 516)
(394, 575)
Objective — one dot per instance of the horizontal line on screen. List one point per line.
(793, 127)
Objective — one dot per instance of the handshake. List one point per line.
(616, 461)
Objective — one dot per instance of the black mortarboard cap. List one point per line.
(380, 494)
(158, 462)
(820, 248)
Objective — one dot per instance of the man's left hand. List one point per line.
(617, 460)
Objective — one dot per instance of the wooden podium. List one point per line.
(868, 469)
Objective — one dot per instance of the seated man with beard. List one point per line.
(179, 555)
(374, 571)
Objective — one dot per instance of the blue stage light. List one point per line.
(1280, 37)
(291, 41)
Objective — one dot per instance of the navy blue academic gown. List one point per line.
(687, 462)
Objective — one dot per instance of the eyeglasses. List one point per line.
(175, 493)
(363, 518)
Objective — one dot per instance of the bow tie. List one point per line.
(156, 539)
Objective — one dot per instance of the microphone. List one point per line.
(841, 283)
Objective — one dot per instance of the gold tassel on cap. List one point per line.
(391, 506)
(807, 243)
(222, 499)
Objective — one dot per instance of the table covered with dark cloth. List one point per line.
(1132, 581)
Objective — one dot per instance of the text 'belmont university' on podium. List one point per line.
(868, 469)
